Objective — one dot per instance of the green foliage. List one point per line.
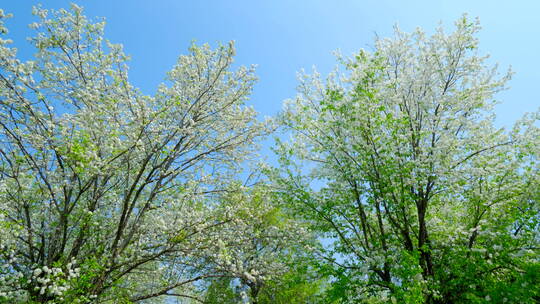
(299, 285)
(221, 291)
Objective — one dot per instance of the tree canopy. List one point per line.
(107, 193)
(426, 201)
(395, 187)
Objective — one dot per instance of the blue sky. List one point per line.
(282, 36)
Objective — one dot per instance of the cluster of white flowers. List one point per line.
(54, 281)
(10, 277)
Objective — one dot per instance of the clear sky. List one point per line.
(283, 36)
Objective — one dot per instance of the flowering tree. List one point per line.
(421, 197)
(271, 244)
(107, 193)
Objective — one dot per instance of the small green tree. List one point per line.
(269, 246)
(221, 291)
(300, 285)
